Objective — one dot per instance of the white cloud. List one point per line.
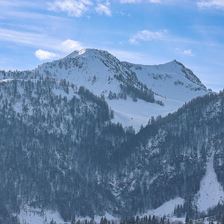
(147, 35)
(103, 9)
(73, 7)
(62, 49)
(185, 52)
(188, 52)
(69, 45)
(78, 7)
(210, 3)
(45, 55)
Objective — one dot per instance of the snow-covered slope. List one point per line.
(172, 82)
(96, 70)
(211, 192)
(166, 209)
(30, 215)
(134, 92)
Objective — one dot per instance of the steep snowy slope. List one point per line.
(134, 92)
(92, 69)
(172, 82)
(211, 192)
(167, 208)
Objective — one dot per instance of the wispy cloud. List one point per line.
(103, 9)
(139, 1)
(135, 57)
(147, 35)
(18, 4)
(211, 3)
(167, 37)
(48, 47)
(73, 7)
(27, 38)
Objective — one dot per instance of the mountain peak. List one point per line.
(88, 52)
(174, 63)
(132, 91)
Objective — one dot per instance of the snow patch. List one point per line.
(97, 218)
(130, 113)
(166, 209)
(107, 216)
(211, 192)
(5, 80)
(29, 215)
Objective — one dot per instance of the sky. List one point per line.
(139, 31)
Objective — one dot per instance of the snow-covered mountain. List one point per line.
(64, 157)
(134, 92)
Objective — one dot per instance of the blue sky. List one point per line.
(139, 31)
